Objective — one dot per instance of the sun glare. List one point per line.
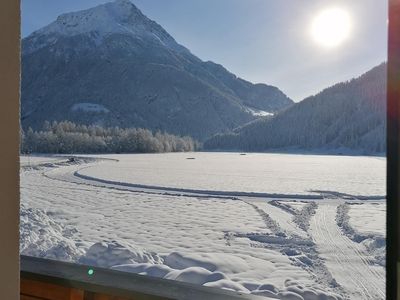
(331, 27)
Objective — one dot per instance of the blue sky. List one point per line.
(265, 41)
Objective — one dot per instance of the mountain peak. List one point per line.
(118, 17)
(123, 3)
(113, 17)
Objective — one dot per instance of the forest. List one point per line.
(349, 116)
(66, 137)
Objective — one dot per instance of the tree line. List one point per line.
(66, 137)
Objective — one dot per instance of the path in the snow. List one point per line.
(345, 259)
(298, 247)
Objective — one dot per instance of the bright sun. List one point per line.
(331, 27)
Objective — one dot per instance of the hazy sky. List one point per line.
(265, 41)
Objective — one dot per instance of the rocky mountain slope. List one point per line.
(111, 65)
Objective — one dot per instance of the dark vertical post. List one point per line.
(393, 150)
(9, 144)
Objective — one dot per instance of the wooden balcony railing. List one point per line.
(43, 279)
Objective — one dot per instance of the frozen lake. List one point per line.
(178, 216)
(263, 173)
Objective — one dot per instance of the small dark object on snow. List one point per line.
(190, 158)
(243, 154)
(72, 159)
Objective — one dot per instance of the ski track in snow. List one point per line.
(293, 241)
(286, 216)
(345, 259)
(264, 235)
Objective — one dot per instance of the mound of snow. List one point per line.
(227, 285)
(196, 275)
(205, 269)
(377, 247)
(108, 254)
(145, 269)
(41, 236)
(222, 262)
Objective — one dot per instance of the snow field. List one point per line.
(189, 229)
(368, 218)
(255, 172)
(282, 249)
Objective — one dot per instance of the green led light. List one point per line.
(90, 272)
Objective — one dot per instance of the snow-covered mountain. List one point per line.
(119, 17)
(113, 66)
(348, 115)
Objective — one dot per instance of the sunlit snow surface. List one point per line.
(369, 218)
(267, 173)
(157, 215)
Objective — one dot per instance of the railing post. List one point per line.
(393, 151)
(9, 133)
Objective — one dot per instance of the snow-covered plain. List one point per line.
(157, 215)
(253, 172)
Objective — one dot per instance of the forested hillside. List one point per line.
(349, 115)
